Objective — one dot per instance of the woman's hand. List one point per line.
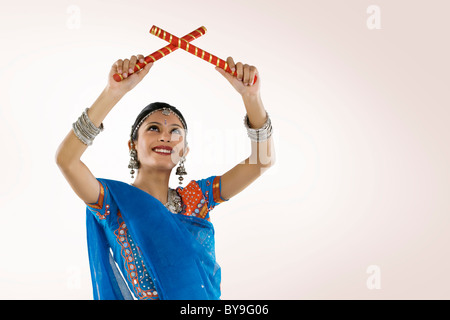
(131, 79)
(243, 82)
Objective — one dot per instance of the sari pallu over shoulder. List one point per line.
(178, 249)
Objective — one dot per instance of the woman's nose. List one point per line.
(165, 136)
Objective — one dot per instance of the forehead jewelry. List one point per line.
(165, 111)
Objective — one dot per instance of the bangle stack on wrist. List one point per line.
(261, 134)
(85, 130)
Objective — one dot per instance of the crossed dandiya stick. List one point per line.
(184, 44)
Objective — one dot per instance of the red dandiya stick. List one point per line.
(163, 51)
(185, 45)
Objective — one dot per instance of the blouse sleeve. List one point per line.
(103, 207)
(201, 196)
(211, 189)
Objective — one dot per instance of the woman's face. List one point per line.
(161, 141)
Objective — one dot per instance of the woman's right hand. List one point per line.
(131, 79)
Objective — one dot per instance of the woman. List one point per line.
(146, 240)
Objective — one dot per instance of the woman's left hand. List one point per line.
(243, 81)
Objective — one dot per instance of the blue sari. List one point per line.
(139, 249)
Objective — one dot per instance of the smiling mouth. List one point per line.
(162, 151)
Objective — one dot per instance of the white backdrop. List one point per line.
(357, 203)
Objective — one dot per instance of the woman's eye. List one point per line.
(155, 128)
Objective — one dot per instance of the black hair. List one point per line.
(150, 108)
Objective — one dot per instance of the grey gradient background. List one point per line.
(361, 133)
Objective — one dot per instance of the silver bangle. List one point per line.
(261, 134)
(85, 130)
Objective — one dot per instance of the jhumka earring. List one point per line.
(181, 171)
(134, 163)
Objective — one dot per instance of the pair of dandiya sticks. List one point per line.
(184, 44)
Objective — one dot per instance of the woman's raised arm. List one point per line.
(68, 155)
(262, 154)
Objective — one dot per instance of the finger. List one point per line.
(132, 64)
(231, 63)
(246, 78)
(227, 75)
(253, 72)
(142, 63)
(141, 58)
(239, 71)
(143, 72)
(118, 66)
(125, 66)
